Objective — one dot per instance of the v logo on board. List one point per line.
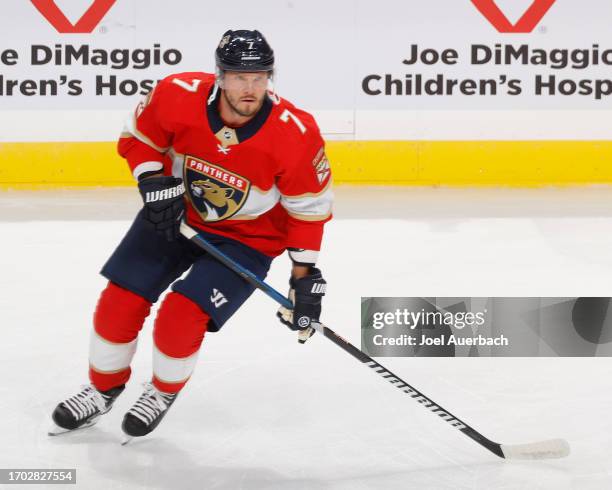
(527, 22)
(85, 25)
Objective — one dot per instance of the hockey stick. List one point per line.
(549, 449)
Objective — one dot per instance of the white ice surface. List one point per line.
(261, 411)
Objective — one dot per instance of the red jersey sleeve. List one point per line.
(146, 137)
(305, 187)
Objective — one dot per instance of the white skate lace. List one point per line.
(87, 402)
(151, 403)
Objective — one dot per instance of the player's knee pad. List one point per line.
(179, 327)
(120, 314)
(178, 333)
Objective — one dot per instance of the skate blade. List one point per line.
(125, 440)
(56, 430)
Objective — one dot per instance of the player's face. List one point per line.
(244, 91)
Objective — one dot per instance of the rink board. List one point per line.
(460, 101)
(452, 163)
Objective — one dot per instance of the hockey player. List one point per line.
(248, 170)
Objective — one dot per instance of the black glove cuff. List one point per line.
(311, 286)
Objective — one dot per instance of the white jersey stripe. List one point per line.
(147, 167)
(308, 207)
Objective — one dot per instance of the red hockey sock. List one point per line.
(118, 319)
(106, 381)
(178, 334)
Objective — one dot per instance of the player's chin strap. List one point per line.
(554, 448)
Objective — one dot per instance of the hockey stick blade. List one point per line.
(550, 449)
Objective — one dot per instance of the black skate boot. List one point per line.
(146, 413)
(83, 409)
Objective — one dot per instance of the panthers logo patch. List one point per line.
(215, 193)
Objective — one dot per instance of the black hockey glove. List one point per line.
(163, 204)
(306, 294)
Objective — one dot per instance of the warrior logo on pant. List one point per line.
(214, 192)
(217, 298)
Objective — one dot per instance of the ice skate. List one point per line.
(146, 414)
(83, 409)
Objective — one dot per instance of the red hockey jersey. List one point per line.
(266, 184)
